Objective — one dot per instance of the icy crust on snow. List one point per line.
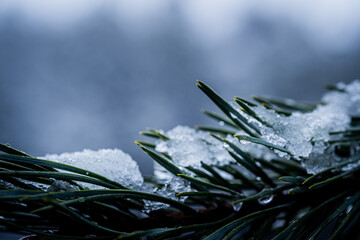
(113, 164)
(299, 131)
(188, 147)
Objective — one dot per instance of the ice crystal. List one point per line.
(169, 190)
(237, 206)
(60, 185)
(265, 200)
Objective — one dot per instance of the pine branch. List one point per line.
(250, 197)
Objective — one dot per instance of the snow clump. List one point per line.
(113, 164)
(306, 135)
(188, 147)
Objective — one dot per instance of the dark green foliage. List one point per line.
(279, 200)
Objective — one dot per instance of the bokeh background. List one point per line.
(92, 74)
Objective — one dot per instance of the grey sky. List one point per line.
(91, 74)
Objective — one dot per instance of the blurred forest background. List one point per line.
(92, 74)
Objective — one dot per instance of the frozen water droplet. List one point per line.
(348, 209)
(258, 178)
(237, 206)
(279, 223)
(87, 173)
(265, 200)
(221, 123)
(244, 142)
(91, 236)
(225, 145)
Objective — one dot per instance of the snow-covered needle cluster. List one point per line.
(305, 135)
